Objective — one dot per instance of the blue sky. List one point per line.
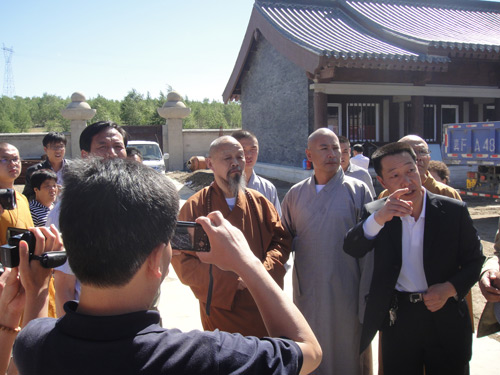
(109, 47)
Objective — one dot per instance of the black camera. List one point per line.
(7, 199)
(190, 236)
(9, 253)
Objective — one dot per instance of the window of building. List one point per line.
(334, 118)
(430, 122)
(489, 113)
(362, 122)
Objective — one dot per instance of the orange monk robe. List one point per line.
(234, 310)
(20, 217)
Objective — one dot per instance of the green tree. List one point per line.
(232, 114)
(106, 109)
(6, 110)
(21, 116)
(132, 109)
(46, 112)
(212, 115)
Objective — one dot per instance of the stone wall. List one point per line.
(197, 141)
(30, 144)
(276, 106)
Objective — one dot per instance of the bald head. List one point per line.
(412, 139)
(319, 133)
(6, 146)
(227, 160)
(421, 149)
(10, 165)
(224, 141)
(323, 150)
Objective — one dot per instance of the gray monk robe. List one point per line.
(326, 281)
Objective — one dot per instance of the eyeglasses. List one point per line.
(8, 161)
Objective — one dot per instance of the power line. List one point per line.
(8, 77)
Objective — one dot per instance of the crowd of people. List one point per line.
(401, 265)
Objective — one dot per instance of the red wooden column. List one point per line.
(320, 110)
(416, 125)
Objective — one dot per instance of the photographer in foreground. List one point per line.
(117, 219)
(25, 288)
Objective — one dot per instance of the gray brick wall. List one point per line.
(276, 106)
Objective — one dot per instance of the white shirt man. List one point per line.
(359, 159)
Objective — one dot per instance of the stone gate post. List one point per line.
(78, 111)
(174, 110)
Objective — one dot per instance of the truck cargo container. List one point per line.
(475, 144)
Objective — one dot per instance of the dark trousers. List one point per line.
(415, 342)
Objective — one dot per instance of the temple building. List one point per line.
(372, 71)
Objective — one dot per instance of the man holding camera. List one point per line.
(121, 258)
(24, 291)
(227, 304)
(20, 216)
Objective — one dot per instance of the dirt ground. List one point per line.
(484, 212)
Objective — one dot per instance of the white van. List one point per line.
(151, 154)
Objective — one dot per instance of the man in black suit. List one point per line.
(427, 257)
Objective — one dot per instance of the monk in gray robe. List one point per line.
(327, 283)
(350, 169)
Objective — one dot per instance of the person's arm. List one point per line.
(11, 308)
(230, 251)
(359, 239)
(470, 257)
(489, 271)
(369, 182)
(488, 276)
(286, 215)
(28, 292)
(64, 284)
(34, 278)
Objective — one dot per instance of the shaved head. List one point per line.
(10, 168)
(413, 139)
(315, 135)
(323, 150)
(7, 146)
(222, 141)
(421, 149)
(227, 160)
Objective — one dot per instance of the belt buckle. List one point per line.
(416, 297)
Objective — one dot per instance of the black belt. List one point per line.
(410, 297)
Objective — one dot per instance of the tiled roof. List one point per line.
(448, 26)
(330, 32)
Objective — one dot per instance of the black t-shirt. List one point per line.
(135, 344)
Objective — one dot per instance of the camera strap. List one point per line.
(210, 290)
(210, 275)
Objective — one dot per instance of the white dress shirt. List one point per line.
(361, 161)
(411, 276)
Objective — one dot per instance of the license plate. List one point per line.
(471, 183)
